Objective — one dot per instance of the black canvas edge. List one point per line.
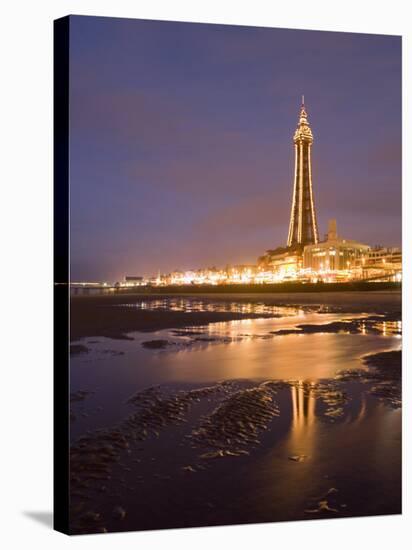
(61, 296)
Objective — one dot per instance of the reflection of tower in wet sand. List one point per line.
(303, 405)
(303, 429)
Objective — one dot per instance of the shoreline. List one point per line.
(101, 315)
(242, 288)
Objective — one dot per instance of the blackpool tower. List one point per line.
(303, 227)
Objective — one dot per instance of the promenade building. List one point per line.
(382, 263)
(334, 254)
(133, 280)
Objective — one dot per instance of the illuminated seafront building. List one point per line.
(335, 257)
(382, 263)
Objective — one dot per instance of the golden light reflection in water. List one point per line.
(249, 349)
(303, 429)
(362, 410)
(303, 433)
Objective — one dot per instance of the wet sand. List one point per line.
(234, 409)
(113, 315)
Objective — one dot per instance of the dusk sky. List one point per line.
(181, 151)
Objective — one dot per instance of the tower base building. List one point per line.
(334, 255)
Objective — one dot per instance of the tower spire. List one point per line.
(303, 225)
(303, 118)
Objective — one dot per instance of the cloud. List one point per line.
(249, 215)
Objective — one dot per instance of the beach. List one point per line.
(196, 410)
(95, 315)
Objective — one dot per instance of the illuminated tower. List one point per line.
(303, 228)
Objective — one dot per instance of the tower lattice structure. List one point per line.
(303, 227)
